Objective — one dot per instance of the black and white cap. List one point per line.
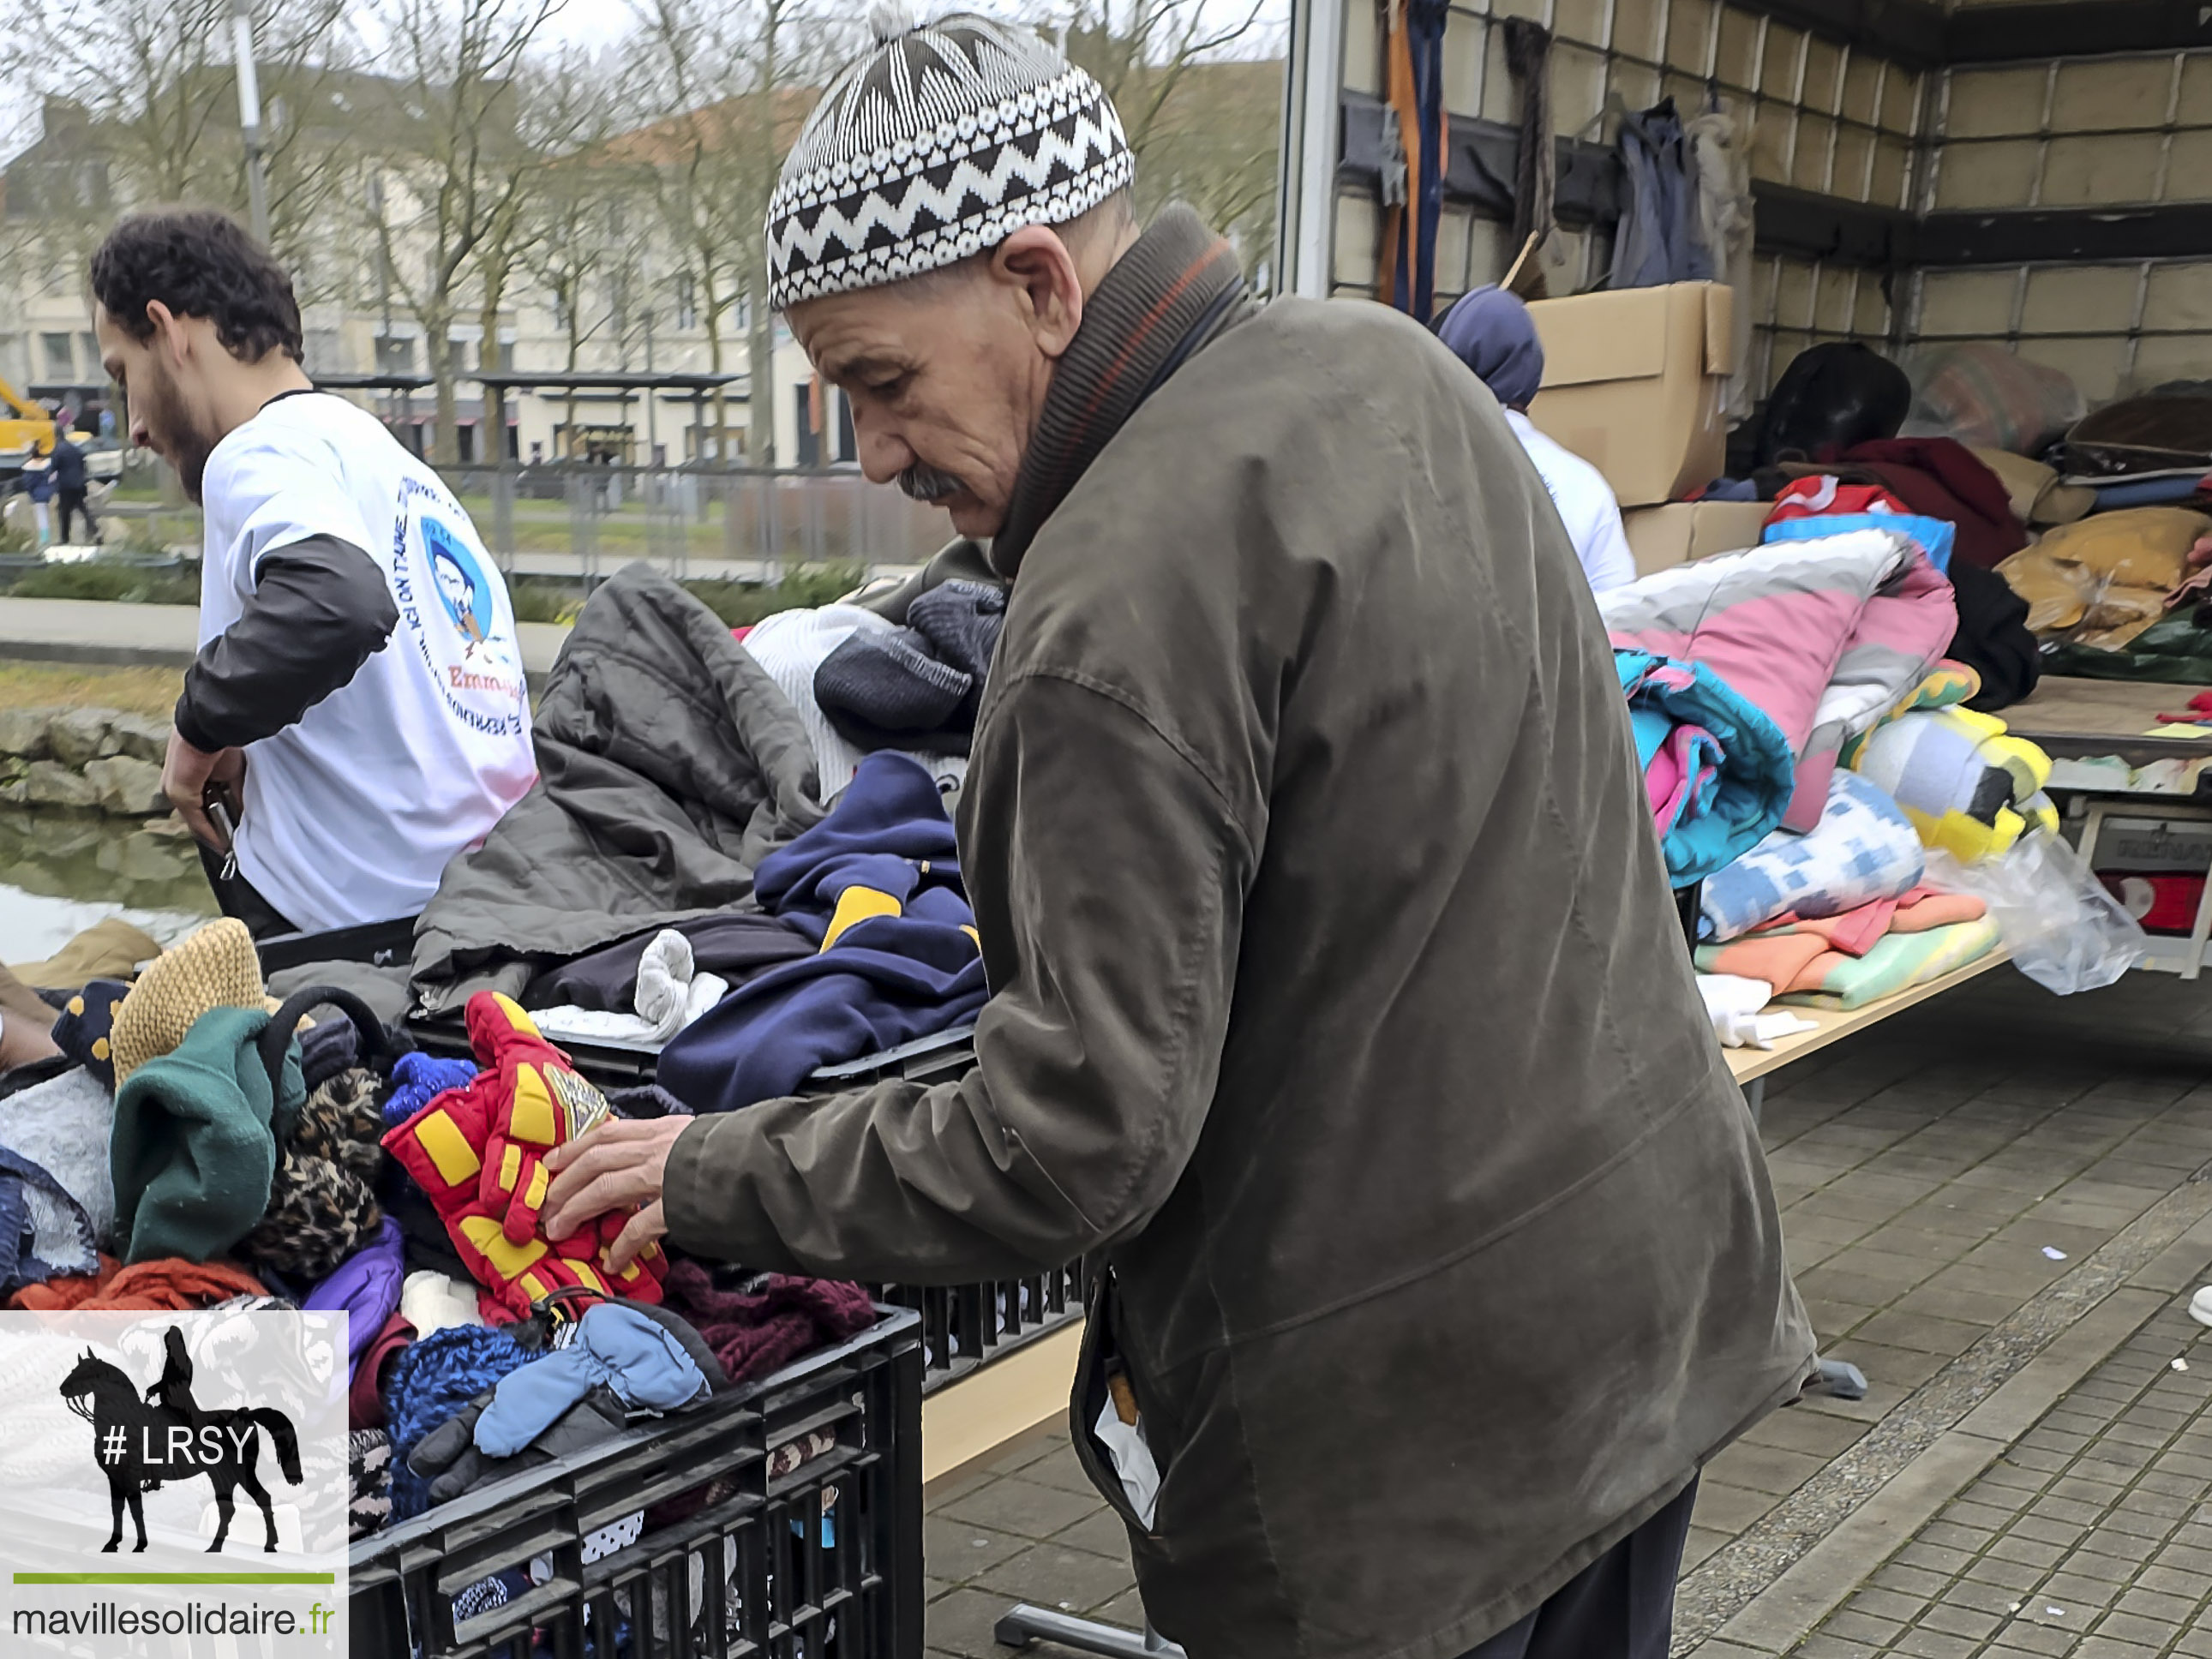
(942, 141)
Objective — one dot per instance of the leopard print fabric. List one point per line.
(322, 1203)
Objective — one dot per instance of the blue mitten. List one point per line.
(641, 1361)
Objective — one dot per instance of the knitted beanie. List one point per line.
(430, 1382)
(939, 144)
(891, 681)
(196, 1131)
(322, 1199)
(755, 1334)
(961, 621)
(85, 1031)
(214, 968)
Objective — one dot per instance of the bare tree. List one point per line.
(743, 78)
(141, 107)
(1200, 96)
(571, 243)
(474, 142)
(570, 102)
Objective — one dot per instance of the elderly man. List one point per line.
(1340, 1010)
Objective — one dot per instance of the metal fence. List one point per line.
(586, 521)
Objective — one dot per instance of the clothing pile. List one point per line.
(1835, 643)
(1846, 960)
(1842, 915)
(1824, 635)
(197, 1145)
(1835, 441)
(876, 889)
(651, 895)
(2106, 580)
(669, 766)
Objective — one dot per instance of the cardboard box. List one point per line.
(1634, 384)
(1662, 538)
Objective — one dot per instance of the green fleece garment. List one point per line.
(1896, 963)
(195, 1143)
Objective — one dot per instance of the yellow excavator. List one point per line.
(22, 425)
(25, 426)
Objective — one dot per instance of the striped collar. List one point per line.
(1162, 300)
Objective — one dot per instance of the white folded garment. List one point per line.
(669, 997)
(1734, 1004)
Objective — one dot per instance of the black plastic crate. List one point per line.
(964, 1326)
(783, 1520)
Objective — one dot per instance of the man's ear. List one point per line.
(1036, 264)
(170, 338)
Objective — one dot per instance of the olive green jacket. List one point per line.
(1339, 1002)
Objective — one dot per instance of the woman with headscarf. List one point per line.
(1490, 332)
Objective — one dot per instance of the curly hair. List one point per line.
(199, 263)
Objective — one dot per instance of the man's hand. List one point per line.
(619, 1165)
(185, 774)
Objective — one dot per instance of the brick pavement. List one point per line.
(1926, 1169)
(2091, 1536)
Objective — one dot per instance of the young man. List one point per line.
(1340, 1009)
(359, 686)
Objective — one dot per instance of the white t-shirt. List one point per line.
(351, 813)
(1586, 504)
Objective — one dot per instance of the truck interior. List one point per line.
(2034, 176)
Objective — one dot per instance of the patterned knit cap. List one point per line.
(942, 141)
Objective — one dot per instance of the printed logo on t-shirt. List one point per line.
(451, 608)
(461, 581)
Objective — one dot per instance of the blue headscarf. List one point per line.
(1491, 332)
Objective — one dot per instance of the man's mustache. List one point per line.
(926, 483)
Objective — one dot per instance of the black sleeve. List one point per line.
(320, 609)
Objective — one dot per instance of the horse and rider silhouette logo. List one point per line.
(141, 1443)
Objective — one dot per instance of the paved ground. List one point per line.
(2089, 1536)
(1991, 1206)
(157, 635)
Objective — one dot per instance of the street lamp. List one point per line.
(249, 116)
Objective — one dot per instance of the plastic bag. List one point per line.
(2064, 931)
(1987, 397)
(1831, 397)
